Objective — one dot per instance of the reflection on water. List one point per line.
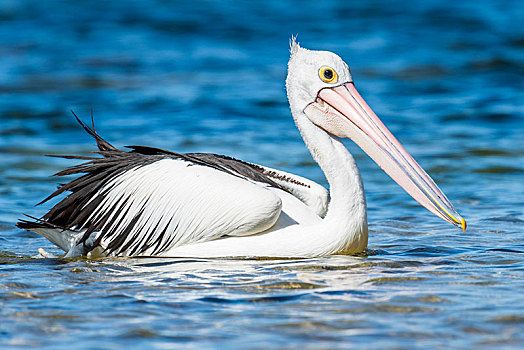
(446, 77)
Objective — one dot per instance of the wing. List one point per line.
(136, 204)
(148, 201)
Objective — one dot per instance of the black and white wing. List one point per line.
(148, 201)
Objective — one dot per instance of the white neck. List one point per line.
(346, 220)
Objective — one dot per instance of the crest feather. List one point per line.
(293, 45)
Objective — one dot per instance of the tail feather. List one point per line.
(66, 238)
(62, 238)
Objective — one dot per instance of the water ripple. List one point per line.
(445, 76)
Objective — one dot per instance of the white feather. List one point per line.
(195, 203)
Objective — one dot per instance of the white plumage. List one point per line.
(155, 202)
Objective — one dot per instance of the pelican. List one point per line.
(153, 202)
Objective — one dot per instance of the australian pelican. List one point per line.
(153, 202)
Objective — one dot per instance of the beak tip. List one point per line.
(463, 224)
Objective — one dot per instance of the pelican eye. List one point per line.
(328, 74)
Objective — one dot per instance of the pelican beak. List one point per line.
(343, 112)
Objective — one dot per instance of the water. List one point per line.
(447, 77)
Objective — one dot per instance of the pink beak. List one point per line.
(363, 126)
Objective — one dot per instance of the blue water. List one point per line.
(447, 77)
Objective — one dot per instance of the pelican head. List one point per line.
(320, 86)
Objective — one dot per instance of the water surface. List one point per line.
(447, 78)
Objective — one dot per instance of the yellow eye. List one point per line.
(328, 74)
